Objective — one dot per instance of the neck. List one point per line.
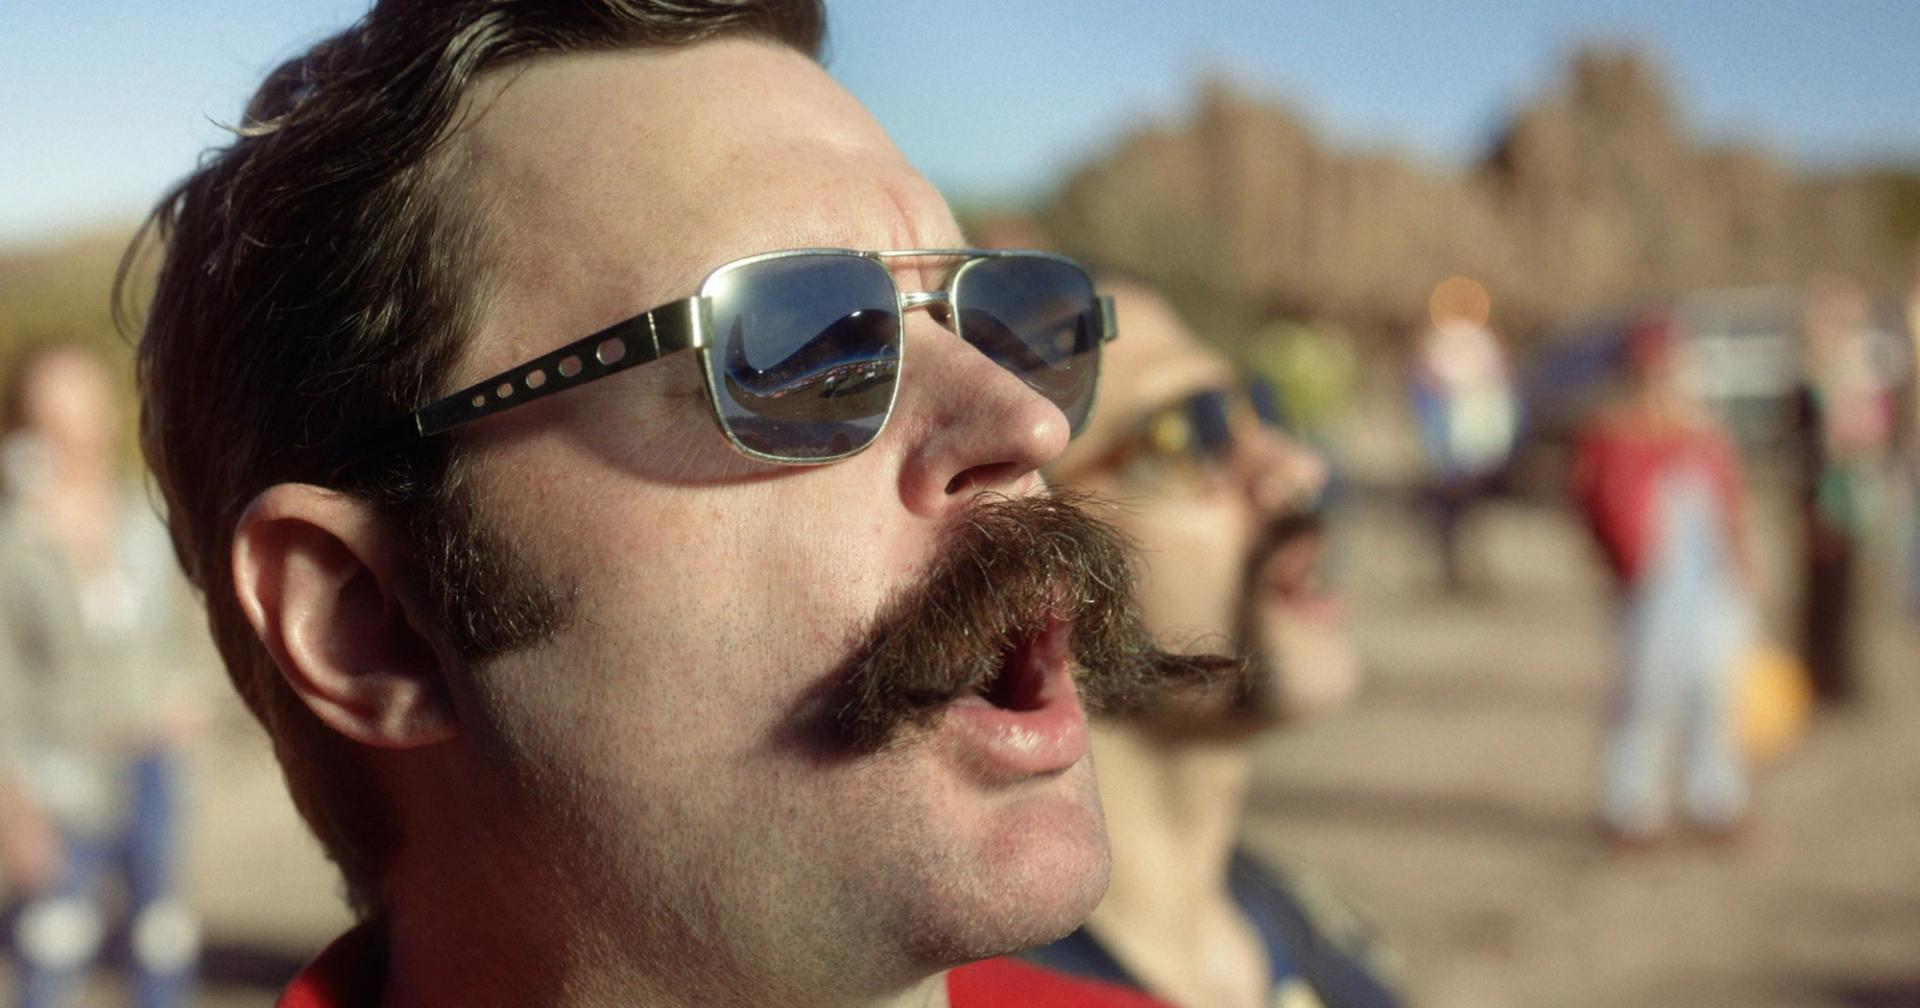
(70, 479)
(1662, 406)
(97, 475)
(1173, 812)
(454, 959)
(74, 504)
(495, 921)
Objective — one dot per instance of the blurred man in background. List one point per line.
(1221, 503)
(611, 674)
(97, 692)
(1659, 483)
(1845, 424)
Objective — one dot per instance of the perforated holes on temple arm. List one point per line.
(627, 343)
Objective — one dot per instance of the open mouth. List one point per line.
(1021, 682)
(1027, 718)
(1033, 668)
(1287, 565)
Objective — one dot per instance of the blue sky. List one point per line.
(102, 102)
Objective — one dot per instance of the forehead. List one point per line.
(615, 181)
(1156, 361)
(1162, 360)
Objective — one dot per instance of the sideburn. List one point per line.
(490, 601)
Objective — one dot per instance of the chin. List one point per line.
(1316, 666)
(1040, 868)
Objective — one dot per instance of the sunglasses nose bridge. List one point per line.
(909, 300)
(936, 303)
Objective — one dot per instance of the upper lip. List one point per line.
(1043, 730)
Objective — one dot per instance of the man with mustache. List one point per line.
(1220, 502)
(618, 495)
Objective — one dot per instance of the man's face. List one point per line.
(1228, 564)
(658, 757)
(68, 403)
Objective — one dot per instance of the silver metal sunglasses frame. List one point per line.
(687, 324)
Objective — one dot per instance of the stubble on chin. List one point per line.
(1034, 871)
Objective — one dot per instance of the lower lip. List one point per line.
(1312, 604)
(1046, 738)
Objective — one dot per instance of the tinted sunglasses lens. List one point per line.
(805, 354)
(1265, 400)
(1207, 418)
(1038, 318)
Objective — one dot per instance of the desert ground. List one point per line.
(1453, 805)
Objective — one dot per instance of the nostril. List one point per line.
(985, 477)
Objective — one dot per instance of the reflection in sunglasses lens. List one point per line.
(1037, 318)
(843, 372)
(807, 354)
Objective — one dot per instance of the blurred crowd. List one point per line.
(1228, 467)
(1229, 475)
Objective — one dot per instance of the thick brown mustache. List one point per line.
(1013, 565)
(1264, 668)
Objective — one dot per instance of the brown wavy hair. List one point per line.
(318, 275)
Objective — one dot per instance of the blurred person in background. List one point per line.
(1467, 412)
(1658, 481)
(1845, 425)
(633, 625)
(1222, 504)
(1910, 315)
(97, 693)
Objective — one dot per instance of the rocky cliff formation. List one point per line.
(1595, 198)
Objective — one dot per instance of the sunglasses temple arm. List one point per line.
(630, 343)
(1109, 320)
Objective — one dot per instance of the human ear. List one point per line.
(320, 575)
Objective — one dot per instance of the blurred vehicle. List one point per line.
(1741, 356)
(1740, 353)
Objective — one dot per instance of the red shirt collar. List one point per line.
(350, 973)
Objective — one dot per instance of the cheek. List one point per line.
(704, 614)
(1193, 556)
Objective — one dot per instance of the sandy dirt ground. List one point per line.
(1456, 802)
(1453, 804)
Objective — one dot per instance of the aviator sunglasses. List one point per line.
(1202, 428)
(801, 350)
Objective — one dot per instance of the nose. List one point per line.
(970, 425)
(1279, 473)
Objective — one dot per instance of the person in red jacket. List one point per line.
(1658, 481)
(528, 385)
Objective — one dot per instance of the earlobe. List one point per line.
(318, 574)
